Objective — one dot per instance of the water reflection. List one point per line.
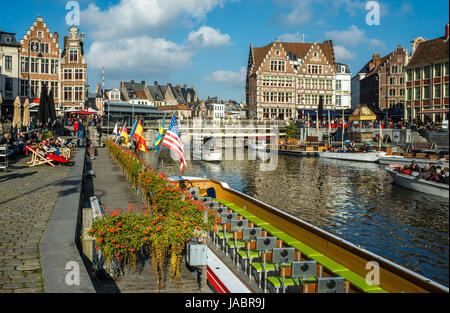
(355, 201)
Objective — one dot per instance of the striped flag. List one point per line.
(172, 140)
(139, 137)
(160, 136)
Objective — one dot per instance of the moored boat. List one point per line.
(414, 183)
(395, 159)
(353, 156)
(337, 265)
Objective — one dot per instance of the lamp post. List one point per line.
(388, 74)
(29, 62)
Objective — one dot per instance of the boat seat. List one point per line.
(359, 282)
(329, 263)
(276, 283)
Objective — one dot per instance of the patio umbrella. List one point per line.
(44, 113)
(17, 113)
(26, 114)
(51, 106)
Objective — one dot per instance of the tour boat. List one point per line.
(353, 156)
(333, 264)
(398, 159)
(414, 183)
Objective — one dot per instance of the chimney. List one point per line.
(446, 32)
(132, 82)
(185, 86)
(56, 36)
(156, 83)
(143, 82)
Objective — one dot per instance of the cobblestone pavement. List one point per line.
(27, 198)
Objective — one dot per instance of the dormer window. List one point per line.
(277, 52)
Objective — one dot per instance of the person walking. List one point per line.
(80, 129)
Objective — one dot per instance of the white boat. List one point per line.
(353, 156)
(414, 183)
(211, 154)
(397, 159)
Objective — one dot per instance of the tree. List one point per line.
(291, 131)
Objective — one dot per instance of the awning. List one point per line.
(434, 111)
(314, 112)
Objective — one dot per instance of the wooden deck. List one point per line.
(114, 192)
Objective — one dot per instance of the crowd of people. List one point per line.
(429, 172)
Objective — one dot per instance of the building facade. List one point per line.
(9, 72)
(427, 80)
(73, 74)
(342, 87)
(383, 87)
(40, 61)
(285, 78)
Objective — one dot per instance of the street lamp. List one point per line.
(29, 62)
(388, 74)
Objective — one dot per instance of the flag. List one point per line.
(160, 136)
(139, 136)
(115, 131)
(172, 140)
(122, 134)
(133, 130)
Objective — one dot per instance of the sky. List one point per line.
(205, 43)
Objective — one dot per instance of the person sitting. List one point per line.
(444, 176)
(434, 176)
(46, 134)
(413, 169)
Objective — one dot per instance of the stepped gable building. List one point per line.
(285, 79)
(44, 64)
(383, 87)
(73, 71)
(427, 79)
(9, 72)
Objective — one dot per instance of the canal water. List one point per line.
(355, 201)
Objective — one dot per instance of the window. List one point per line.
(409, 94)
(40, 34)
(446, 69)
(34, 65)
(417, 73)
(73, 55)
(54, 66)
(44, 66)
(402, 92)
(35, 88)
(338, 100)
(67, 74)
(416, 93)
(437, 70)
(402, 80)
(394, 69)
(426, 92)
(45, 47)
(278, 66)
(437, 91)
(392, 92)
(8, 62)
(78, 93)
(54, 86)
(392, 81)
(67, 93)
(78, 74)
(338, 85)
(24, 64)
(446, 91)
(8, 86)
(409, 75)
(426, 72)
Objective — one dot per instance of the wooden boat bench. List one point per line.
(323, 261)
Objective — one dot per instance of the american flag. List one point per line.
(172, 140)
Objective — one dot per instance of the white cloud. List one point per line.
(140, 55)
(207, 37)
(229, 78)
(342, 54)
(350, 37)
(290, 37)
(143, 16)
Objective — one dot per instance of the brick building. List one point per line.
(73, 71)
(43, 66)
(285, 78)
(427, 80)
(383, 87)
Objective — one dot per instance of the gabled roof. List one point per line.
(429, 51)
(296, 49)
(380, 64)
(155, 93)
(140, 93)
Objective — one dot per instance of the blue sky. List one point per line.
(205, 43)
